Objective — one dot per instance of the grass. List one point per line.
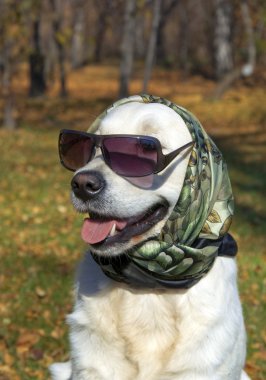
(40, 243)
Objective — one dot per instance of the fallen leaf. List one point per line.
(41, 293)
(8, 359)
(26, 340)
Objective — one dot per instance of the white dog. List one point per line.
(122, 329)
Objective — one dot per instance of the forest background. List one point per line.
(61, 64)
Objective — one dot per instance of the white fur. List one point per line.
(118, 333)
(61, 371)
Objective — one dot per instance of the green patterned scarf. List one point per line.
(196, 231)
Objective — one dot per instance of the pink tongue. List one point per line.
(94, 231)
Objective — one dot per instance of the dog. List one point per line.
(133, 323)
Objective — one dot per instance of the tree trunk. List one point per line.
(51, 58)
(166, 9)
(152, 44)
(9, 121)
(104, 9)
(184, 37)
(127, 48)
(248, 68)
(160, 49)
(56, 25)
(140, 35)
(223, 56)
(61, 55)
(37, 64)
(77, 46)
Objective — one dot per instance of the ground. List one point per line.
(40, 231)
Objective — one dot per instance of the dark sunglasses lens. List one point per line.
(130, 156)
(75, 150)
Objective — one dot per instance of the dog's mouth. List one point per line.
(99, 230)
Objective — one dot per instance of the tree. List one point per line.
(184, 37)
(223, 38)
(36, 58)
(140, 40)
(11, 48)
(167, 8)
(127, 48)
(104, 8)
(9, 121)
(248, 67)
(78, 34)
(60, 40)
(152, 43)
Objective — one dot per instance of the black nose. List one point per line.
(87, 185)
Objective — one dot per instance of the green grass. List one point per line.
(39, 248)
(40, 241)
(249, 227)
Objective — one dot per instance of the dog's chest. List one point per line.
(147, 323)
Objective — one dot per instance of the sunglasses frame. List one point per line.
(163, 160)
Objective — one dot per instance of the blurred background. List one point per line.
(64, 62)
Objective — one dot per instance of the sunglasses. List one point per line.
(126, 155)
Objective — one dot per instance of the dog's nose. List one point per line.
(86, 185)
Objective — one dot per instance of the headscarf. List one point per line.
(196, 231)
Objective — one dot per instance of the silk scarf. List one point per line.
(196, 231)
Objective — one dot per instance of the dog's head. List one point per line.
(154, 201)
(125, 211)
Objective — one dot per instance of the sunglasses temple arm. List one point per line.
(169, 157)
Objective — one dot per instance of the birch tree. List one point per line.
(11, 48)
(223, 38)
(78, 34)
(152, 44)
(127, 48)
(9, 120)
(104, 8)
(36, 57)
(167, 7)
(60, 41)
(247, 68)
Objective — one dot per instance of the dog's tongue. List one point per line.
(95, 230)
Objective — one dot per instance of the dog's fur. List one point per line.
(118, 333)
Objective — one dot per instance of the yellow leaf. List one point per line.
(8, 359)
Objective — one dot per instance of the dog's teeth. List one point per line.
(113, 230)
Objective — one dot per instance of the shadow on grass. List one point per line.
(245, 157)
